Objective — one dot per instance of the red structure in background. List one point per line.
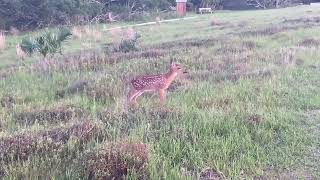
(181, 7)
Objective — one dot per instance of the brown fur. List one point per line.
(159, 82)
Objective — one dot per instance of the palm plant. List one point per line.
(47, 43)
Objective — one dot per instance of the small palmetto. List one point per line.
(47, 43)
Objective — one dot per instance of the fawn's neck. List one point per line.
(170, 76)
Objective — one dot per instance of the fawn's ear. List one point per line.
(172, 63)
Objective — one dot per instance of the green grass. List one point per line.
(241, 65)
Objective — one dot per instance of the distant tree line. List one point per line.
(29, 14)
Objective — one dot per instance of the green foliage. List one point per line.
(29, 14)
(48, 43)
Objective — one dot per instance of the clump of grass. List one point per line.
(124, 40)
(22, 147)
(219, 103)
(86, 60)
(2, 41)
(92, 33)
(255, 119)
(210, 174)
(77, 87)
(51, 116)
(20, 53)
(215, 22)
(309, 42)
(249, 44)
(264, 32)
(101, 93)
(116, 160)
(7, 101)
(230, 49)
(128, 45)
(76, 32)
(190, 42)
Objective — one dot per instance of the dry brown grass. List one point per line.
(49, 115)
(158, 19)
(2, 41)
(116, 35)
(304, 20)
(88, 32)
(93, 33)
(210, 174)
(119, 34)
(309, 42)
(255, 119)
(21, 147)
(20, 53)
(115, 160)
(77, 32)
(7, 102)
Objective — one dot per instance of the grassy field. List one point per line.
(248, 108)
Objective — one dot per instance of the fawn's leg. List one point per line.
(131, 95)
(137, 95)
(162, 93)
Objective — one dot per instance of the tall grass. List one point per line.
(247, 108)
(2, 41)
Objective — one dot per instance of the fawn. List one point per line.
(159, 82)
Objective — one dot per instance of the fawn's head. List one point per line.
(175, 67)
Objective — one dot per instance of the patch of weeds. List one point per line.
(249, 45)
(127, 45)
(22, 147)
(144, 53)
(163, 113)
(249, 75)
(230, 49)
(116, 160)
(7, 101)
(210, 174)
(304, 20)
(255, 119)
(309, 42)
(8, 71)
(287, 57)
(263, 32)
(51, 116)
(77, 87)
(209, 76)
(101, 90)
(220, 24)
(124, 122)
(192, 42)
(119, 121)
(84, 60)
(299, 62)
(220, 103)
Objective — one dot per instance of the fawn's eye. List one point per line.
(179, 68)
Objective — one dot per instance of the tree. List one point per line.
(270, 3)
